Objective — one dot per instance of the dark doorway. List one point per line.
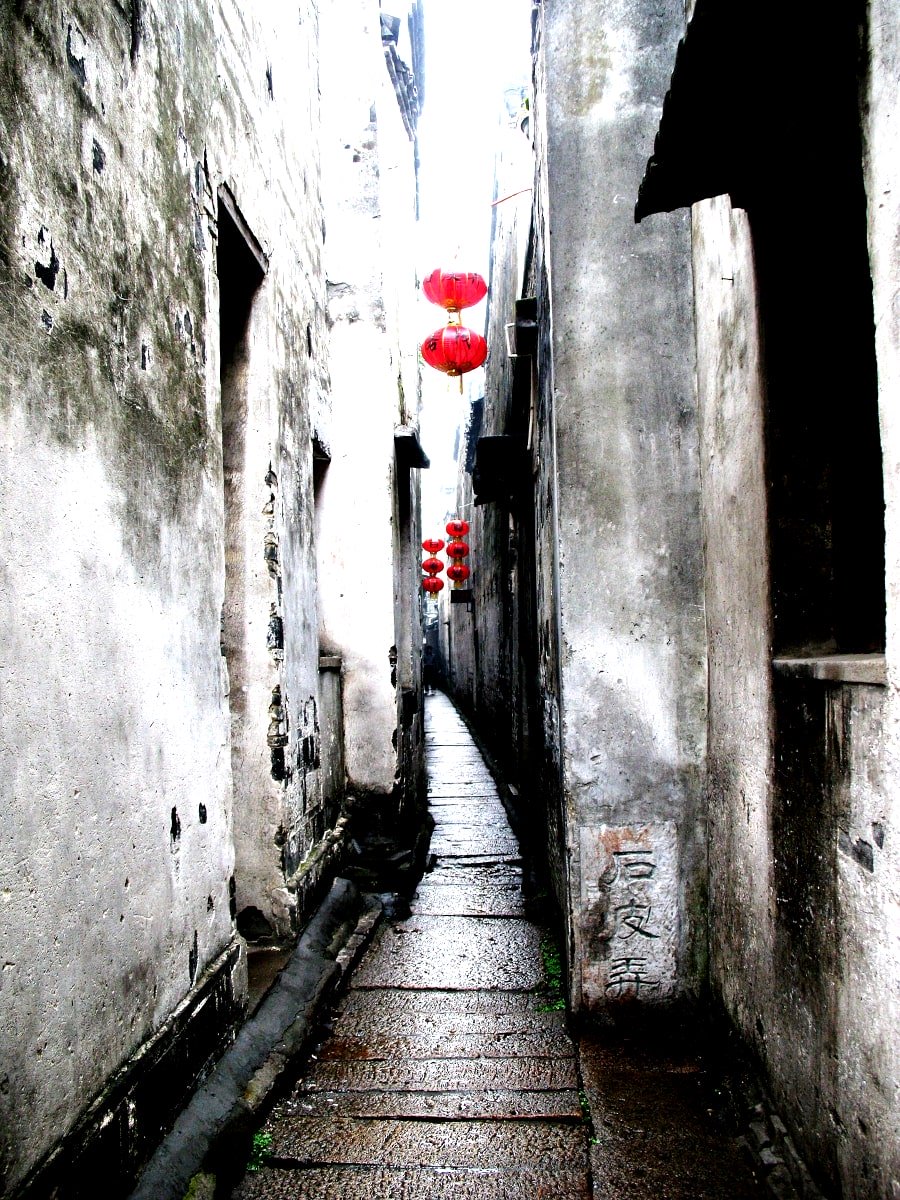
(241, 268)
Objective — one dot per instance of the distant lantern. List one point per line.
(458, 572)
(433, 545)
(454, 290)
(432, 566)
(432, 584)
(454, 350)
(458, 550)
(457, 528)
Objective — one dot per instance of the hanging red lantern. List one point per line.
(454, 290)
(457, 529)
(432, 584)
(454, 350)
(458, 572)
(457, 550)
(432, 566)
(433, 545)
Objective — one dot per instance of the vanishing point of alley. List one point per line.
(446, 1071)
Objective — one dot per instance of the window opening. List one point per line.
(826, 498)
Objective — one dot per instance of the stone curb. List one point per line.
(213, 1131)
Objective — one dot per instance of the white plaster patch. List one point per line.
(629, 905)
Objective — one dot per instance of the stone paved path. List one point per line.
(443, 1077)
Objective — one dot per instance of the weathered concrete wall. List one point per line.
(549, 716)
(117, 857)
(804, 880)
(275, 753)
(370, 208)
(630, 611)
(730, 392)
(488, 688)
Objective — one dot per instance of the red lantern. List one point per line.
(454, 290)
(432, 584)
(432, 566)
(454, 350)
(457, 550)
(458, 572)
(433, 545)
(457, 529)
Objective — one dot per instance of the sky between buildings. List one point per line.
(475, 50)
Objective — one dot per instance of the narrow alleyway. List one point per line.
(443, 1076)
(446, 1073)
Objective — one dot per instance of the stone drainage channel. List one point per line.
(447, 1072)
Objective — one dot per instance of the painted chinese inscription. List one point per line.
(629, 895)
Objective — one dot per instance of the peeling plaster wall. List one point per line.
(117, 853)
(548, 718)
(265, 100)
(630, 610)
(803, 774)
(369, 209)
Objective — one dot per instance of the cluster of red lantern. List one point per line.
(454, 349)
(432, 566)
(457, 550)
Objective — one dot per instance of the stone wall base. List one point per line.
(112, 1140)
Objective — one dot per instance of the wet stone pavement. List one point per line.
(444, 1076)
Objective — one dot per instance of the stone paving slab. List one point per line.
(460, 901)
(462, 775)
(475, 860)
(394, 1143)
(451, 815)
(458, 1036)
(450, 811)
(456, 822)
(454, 789)
(496, 1105)
(377, 1018)
(450, 755)
(476, 843)
(490, 1074)
(460, 810)
(485, 875)
(373, 1183)
(454, 952)
(452, 764)
(489, 837)
(414, 1003)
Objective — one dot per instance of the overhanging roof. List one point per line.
(736, 76)
(756, 99)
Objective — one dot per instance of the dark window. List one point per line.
(826, 499)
